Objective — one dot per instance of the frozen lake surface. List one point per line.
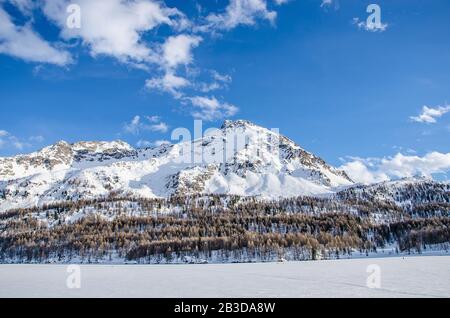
(422, 276)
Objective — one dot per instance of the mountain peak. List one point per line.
(87, 146)
(57, 145)
(265, 164)
(101, 146)
(236, 123)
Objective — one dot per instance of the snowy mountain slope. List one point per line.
(408, 193)
(240, 158)
(242, 192)
(63, 156)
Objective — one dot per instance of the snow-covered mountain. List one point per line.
(108, 202)
(411, 194)
(240, 158)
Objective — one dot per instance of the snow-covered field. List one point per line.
(422, 276)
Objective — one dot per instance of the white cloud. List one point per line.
(169, 83)
(11, 141)
(326, 3)
(209, 108)
(3, 134)
(371, 27)
(150, 123)
(225, 78)
(134, 126)
(208, 87)
(218, 81)
(177, 49)
(24, 43)
(115, 27)
(430, 114)
(281, 2)
(123, 29)
(153, 119)
(160, 127)
(19, 145)
(406, 150)
(359, 171)
(25, 6)
(37, 139)
(371, 170)
(239, 12)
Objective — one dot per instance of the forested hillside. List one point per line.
(218, 228)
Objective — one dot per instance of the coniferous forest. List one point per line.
(215, 228)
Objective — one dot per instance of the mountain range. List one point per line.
(241, 193)
(240, 158)
(266, 164)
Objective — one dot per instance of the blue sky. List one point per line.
(342, 91)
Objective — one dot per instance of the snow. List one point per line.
(421, 276)
(254, 166)
(99, 147)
